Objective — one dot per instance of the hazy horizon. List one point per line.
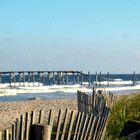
(79, 35)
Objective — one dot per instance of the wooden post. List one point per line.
(24, 78)
(100, 79)
(72, 115)
(29, 78)
(58, 124)
(65, 124)
(26, 135)
(33, 115)
(134, 78)
(13, 132)
(73, 78)
(0, 135)
(89, 79)
(53, 78)
(49, 78)
(21, 133)
(41, 115)
(19, 79)
(81, 78)
(14, 77)
(108, 78)
(40, 132)
(66, 78)
(0, 78)
(38, 78)
(33, 78)
(96, 78)
(10, 79)
(77, 78)
(47, 133)
(16, 129)
(63, 79)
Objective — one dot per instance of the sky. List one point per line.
(87, 35)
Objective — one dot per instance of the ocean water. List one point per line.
(64, 95)
(46, 96)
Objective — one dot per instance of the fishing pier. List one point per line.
(36, 78)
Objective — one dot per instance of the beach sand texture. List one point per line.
(9, 111)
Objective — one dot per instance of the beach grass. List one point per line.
(124, 117)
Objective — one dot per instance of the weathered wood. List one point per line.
(91, 133)
(13, 132)
(80, 126)
(65, 124)
(0, 135)
(41, 116)
(58, 125)
(36, 132)
(50, 119)
(7, 134)
(17, 130)
(84, 127)
(21, 132)
(27, 126)
(71, 124)
(97, 127)
(47, 132)
(77, 125)
(88, 127)
(33, 116)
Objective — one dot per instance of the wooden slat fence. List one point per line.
(95, 103)
(64, 125)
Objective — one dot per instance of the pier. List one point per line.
(44, 78)
(36, 78)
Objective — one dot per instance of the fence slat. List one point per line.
(13, 132)
(84, 126)
(80, 125)
(47, 133)
(7, 134)
(65, 123)
(41, 116)
(71, 124)
(77, 125)
(33, 115)
(58, 125)
(100, 128)
(50, 119)
(21, 128)
(91, 133)
(27, 126)
(16, 129)
(97, 127)
(88, 127)
(0, 135)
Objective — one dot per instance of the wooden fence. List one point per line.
(95, 103)
(64, 125)
(86, 123)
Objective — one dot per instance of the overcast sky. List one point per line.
(88, 35)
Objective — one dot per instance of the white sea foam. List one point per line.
(17, 88)
(116, 82)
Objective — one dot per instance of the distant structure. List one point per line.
(36, 78)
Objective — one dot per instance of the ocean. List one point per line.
(127, 79)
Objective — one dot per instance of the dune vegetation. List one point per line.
(124, 119)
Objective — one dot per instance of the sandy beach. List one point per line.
(9, 111)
